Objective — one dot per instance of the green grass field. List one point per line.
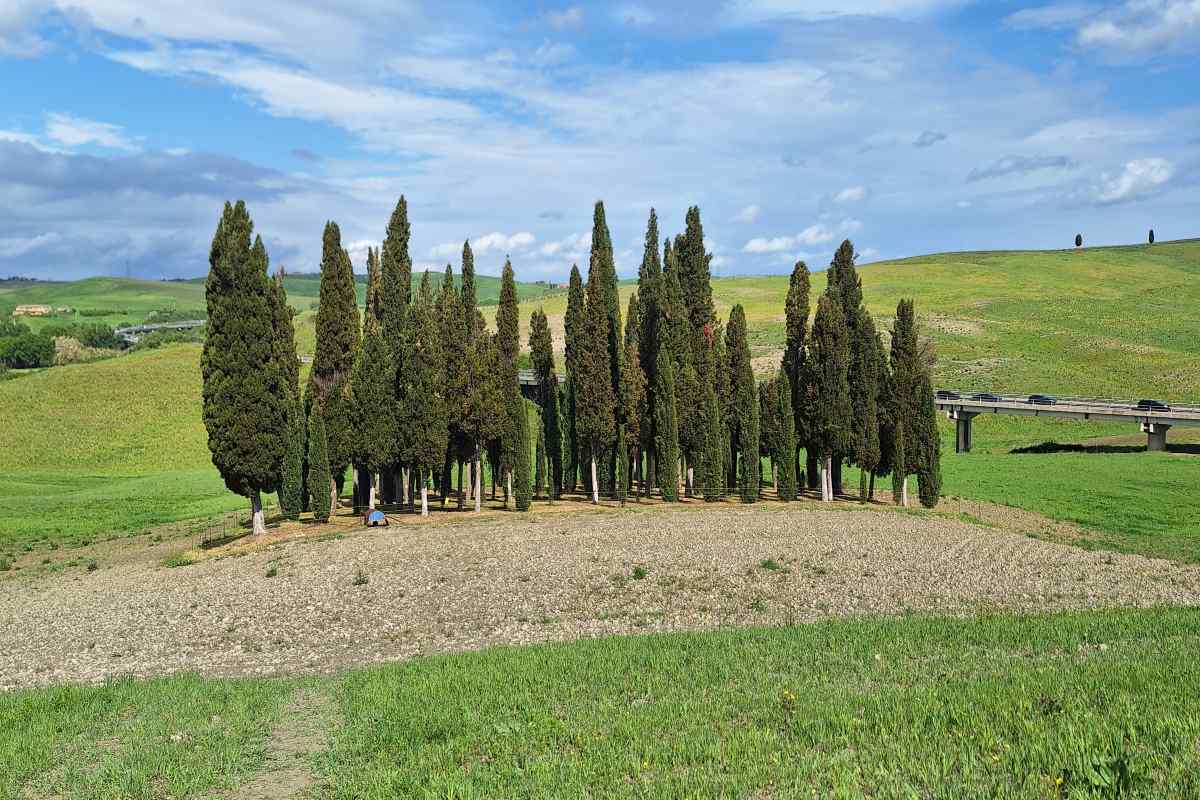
(1084, 705)
(113, 447)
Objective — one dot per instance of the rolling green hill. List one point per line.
(115, 446)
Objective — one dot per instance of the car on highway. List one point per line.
(987, 397)
(946, 394)
(1041, 400)
(1151, 405)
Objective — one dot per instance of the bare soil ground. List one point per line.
(351, 596)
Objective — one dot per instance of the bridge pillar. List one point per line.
(1156, 435)
(962, 429)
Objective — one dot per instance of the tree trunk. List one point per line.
(460, 485)
(827, 474)
(371, 499)
(477, 474)
(904, 492)
(333, 498)
(813, 467)
(424, 500)
(259, 525)
(862, 485)
(650, 477)
(871, 489)
(691, 477)
(595, 483)
(507, 487)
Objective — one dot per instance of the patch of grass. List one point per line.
(182, 737)
(360, 578)
(92, 566)
(179, 560)
(272, 571)
(770, 564)
(639, 572)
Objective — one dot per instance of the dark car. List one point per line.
(946, 394)
(1151, 405)
(1041, 400)
(987, 397)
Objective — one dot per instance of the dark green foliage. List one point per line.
(483, 399)
(469, 301)
(453, 335)
(549, 436)
(694, 276)
(1152, 236)
(374, 307)
(514, 451)
(522, 479)
(929, 473)
(830, 354)
(396, 274)
(712, 472)
(319, 478)
(373, 400)
(603, 270)
(622, 477)
(291, 491)
(507, 322)
(573, 322)
(650, 289)
(666, 426)
(906, 378)
(27, 351)
(10, 328)
(743, 415)
(423, 400)
(864, 398)
(768, 422)
(243, 388)
(539, 462)
(844, 282)
(337, 349)
(899, 472)
(785, 460)
(1079, 240)
(284, 329)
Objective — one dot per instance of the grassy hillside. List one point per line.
(118, 445)
(1083, 705)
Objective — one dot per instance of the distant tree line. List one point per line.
(414, 390)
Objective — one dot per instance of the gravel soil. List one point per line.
(462, 582)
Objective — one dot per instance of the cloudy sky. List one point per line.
(910, 126)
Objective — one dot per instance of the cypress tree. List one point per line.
(595, 398)
(884, 402)
(318, 466)
(542, 351)
(929, 473)
(795, 366)
(451, 328)
(602, 270)
(906, 376)
(633, 330)
(573, 322)
(830, 352)
(666, 426)
(396, 274)
(620, 487)
(845, 286)
(337, 348)
(633, 408)
(864, 397)
(768, 426)
(786, 459)
(899, 471)
(649, 302)
(1152, 236)
(507, 322)
(743, 414)
(694, 274)
(539, 463)
(424, 399)
(514, 450)
(483, 400)
(522, 480)
(374, 307)
(468, 287)
(244, 387)
(291, 487)
(372, 394)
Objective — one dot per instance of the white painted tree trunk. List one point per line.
(477, 471)
(507, 488)
(904, 492)
(333, 498)
(374, 489)
(256, 515)
(679, 478)
(595, 484)
(691, 480)
(404, 484)
(424, 500)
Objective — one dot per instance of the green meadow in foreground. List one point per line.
(1082, 705)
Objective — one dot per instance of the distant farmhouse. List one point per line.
(32, 311)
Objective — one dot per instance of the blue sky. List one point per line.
(909, 126)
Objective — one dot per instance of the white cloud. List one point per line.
(358, 252)
(571, 248)
(1054, 15)
(1125, 30)
(1139, 177)
(501, 242)
(635, 15)
(777, 245)
(16, 247)
(754, 11)
(817, 234)
(851, 194)
(748, 215)
(567, 18)
(71, 131)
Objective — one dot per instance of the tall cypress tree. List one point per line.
(291, 487)
(573, 322)
(906, 377)
(743, 418)
(649, 301)
(483, 400)
(375, 298)
(514, 450)
(451, 333)
(830, 353)
(468, 287)
(318, 466)
(372, 394)
(768, 426)
(929, 474)
(244, 386)
(424, 393)
(864, 397)
(595, 398)
(284, 329)
(633, 330)
(396, 274)
(678, 337)
(602, 270)
(786, 459)
(795, 367)
(666, 425)
(846, 288)
(542, 350)
(291, 492)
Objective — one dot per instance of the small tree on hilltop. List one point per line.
(1079, 240)
(244, 387)
(1152, 236)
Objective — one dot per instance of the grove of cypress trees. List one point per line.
(542, 350)
(786, 459)
(864, 397)
(424, 400)
(244, 387)
(743, 417)
(318, 467)
(830, 353)
(573, 322)
(595, 398)
(337, 348)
